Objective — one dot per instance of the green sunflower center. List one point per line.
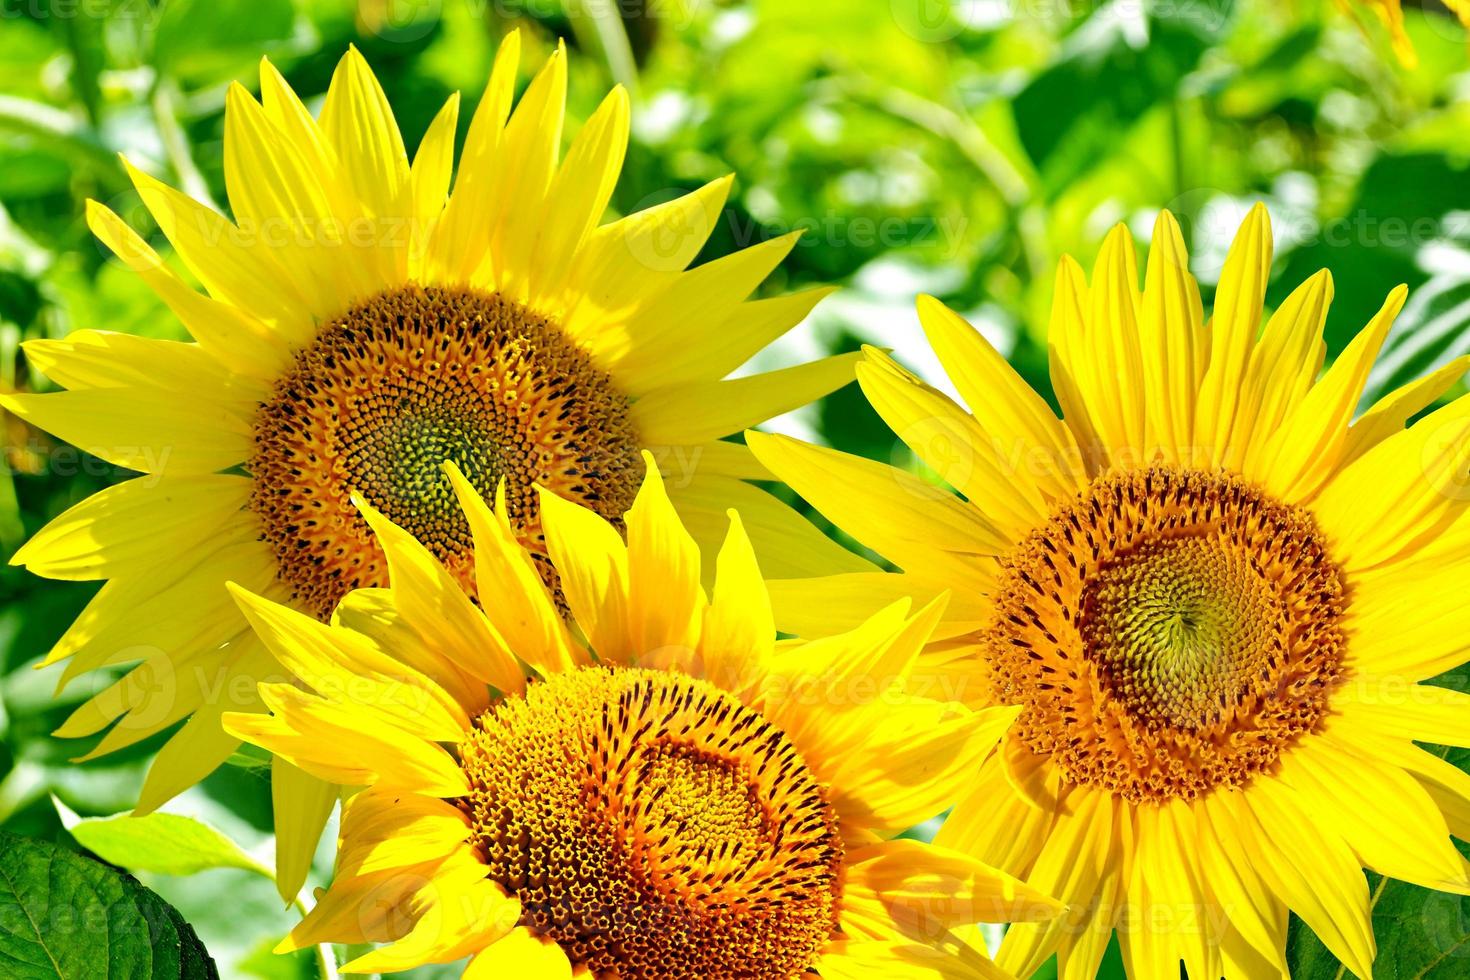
(1168, 632)
(1179, 628)
(399, 385)
(655, 828)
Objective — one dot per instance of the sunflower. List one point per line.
(1213, 595)
(363, 324)
(670, 798)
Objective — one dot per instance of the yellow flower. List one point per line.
(1212, 593)
(671, 797)
(363, 324)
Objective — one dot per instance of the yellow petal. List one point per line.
(133, 526)
(1390, 822)
(789, 545)
(1237, 314)
(627, 261)
(300, 806)
(461, 915)
(694, 302)
(1070, 866)
(978, 463)
(145, 429)
(589, 555)
(1314, 871)
(1003, 402)
(512, 594)
(233, 265)
(579, 194)
(936, 889)
(914, 524)
(430, 600)
(458, 242)
(1400, 494)
(1071, 368)
(343, 667)
(1110, 371)
(739, 632)
(1312, 437)
(703, 411)
(349, 744)
(433, 166)
(822, 606)
(666, 603)
(1173, 342)
(358, 121)
(520, 953)
(523, 173)
(230, 335)
(1389, 414)
(384, 829)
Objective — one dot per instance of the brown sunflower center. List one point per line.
(655, 828)
(397, 386)
(1168, 632)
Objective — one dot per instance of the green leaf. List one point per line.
(67, 917)
(221, 40)
(163, 843)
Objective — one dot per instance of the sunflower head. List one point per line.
(653, 791)
(367, 316)
(1212, 589)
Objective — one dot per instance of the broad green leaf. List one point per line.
(163, 843)
(64, 916)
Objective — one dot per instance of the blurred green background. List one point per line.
(956, 148)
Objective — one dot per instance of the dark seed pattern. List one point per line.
(1169, 632)
(398, 385)
(655, 828)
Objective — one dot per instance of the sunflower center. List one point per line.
(401, 384)
(654, 827)
(1168, 632)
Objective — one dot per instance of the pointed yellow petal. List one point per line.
(343, 667)
(666, 603)
(1173, 342)
(579, 194)
(700, 412)
(1389, 414)
(358, 121)
(459, 241)
(1002, 400)
(1312, 437)
(1238, 306)
(512, 594)
(231, 336)
(909, 522)
(433, 165)
(739, 632)
(980, 464)
(789, 544)
(300, 806)
(132, 526)
(589, 555)
(430, 600)
(523, 176)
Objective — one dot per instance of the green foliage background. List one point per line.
(927, 146)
